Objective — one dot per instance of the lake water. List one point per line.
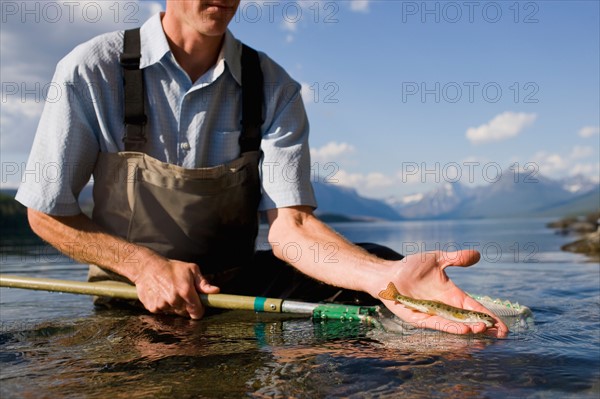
(57, 346)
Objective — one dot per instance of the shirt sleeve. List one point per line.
(285, 168)
(65, 148)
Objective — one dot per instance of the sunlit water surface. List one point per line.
(56, 345)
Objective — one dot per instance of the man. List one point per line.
(176, 193)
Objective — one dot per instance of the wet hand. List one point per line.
(171, 286)
(422, 276)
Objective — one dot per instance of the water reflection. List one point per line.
(232, 353)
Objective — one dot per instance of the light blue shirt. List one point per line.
(191, 124)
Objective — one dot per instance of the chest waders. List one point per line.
(207, 216)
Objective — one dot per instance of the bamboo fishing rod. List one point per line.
(115, 289)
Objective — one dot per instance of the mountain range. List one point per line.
(513, 195)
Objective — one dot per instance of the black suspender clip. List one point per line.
(130, 61)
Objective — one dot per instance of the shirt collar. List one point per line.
(153, 41)
(155, 46)
(232, 53)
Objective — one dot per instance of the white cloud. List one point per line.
(580, 151)
(589, 131)
(368, 184)
(35, 36)
(411, 175)
(18, 122)
(292, 17)
(298, 15)
(309, 96)
(363, 182)
(503, 126)
(331, 151)
(571, 163)
(359, 5)
(550, 164)
(590, 169)
(378, 180)
(289, 25)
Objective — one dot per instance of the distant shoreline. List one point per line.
(15, 229)
(14, 225)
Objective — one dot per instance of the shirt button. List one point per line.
(185, 146)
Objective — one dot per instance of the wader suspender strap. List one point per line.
(133, 80)
(135, 117)
(252, 100)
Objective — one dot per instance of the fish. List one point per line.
(436, 308)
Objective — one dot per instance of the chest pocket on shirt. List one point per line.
(224, 147)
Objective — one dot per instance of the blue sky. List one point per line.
(401, 95)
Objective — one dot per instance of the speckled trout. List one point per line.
(436, 308)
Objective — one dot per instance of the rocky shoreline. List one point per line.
(586, 228)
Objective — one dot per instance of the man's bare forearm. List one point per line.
(302, 240)
(83, 240)
(165, 285)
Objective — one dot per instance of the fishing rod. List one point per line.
(120, 290)
(508, 311)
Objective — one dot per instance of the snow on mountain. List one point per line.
(578, 184)
(439, 201)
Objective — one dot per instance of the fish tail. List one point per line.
(390, 293)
